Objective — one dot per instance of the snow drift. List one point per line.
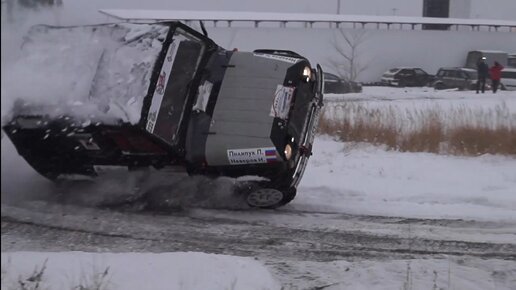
(98, 72)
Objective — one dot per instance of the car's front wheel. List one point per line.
(439, 86)
(261, 195)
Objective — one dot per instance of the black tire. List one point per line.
(247, 188)
(288, 196)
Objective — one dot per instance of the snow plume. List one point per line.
(153, 190)
(19, 182)
(15, 22)
(99, 72)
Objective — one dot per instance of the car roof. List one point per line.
(402, 67)
(406, 67)
(459, 68)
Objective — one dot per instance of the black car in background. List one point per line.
(335, 85)
(455, 77)
(406, 77)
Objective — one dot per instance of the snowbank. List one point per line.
(127, 271)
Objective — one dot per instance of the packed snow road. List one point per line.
(288, 241)
(311, 243)
(285, 234)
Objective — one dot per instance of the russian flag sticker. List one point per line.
(270, 155)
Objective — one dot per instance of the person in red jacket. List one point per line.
(496, 73)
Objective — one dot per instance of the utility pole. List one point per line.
(338, 6)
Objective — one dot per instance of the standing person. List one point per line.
(482, 72)
(496, 74)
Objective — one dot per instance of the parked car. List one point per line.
(508, 79)
(455, 77)
(406, 77)
(201, 109)
(335, 85)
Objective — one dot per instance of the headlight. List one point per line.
(288, 152)
(307, 74)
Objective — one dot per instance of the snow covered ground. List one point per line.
(354, 179)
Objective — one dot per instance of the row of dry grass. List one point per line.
(423, 131)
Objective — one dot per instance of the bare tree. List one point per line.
(347, 45)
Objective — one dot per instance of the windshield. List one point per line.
(172, 89)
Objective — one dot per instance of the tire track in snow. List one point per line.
(74, 228)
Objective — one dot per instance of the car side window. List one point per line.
(406, 72)
(420, 72)
(509, 74)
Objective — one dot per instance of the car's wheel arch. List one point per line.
(439, 85)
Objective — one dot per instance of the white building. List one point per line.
(381, 50)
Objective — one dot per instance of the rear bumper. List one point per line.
(55, 147)
(390, 82)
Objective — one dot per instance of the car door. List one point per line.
(449, 79)
(463, 80)
(406, 77)
(421, 77)
(167, 106)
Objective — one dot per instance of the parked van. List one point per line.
(511, 60)
(490, 55)
(508, 79)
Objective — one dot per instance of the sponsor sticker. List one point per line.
(160, 88)
(252, 155)
(281, 103)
